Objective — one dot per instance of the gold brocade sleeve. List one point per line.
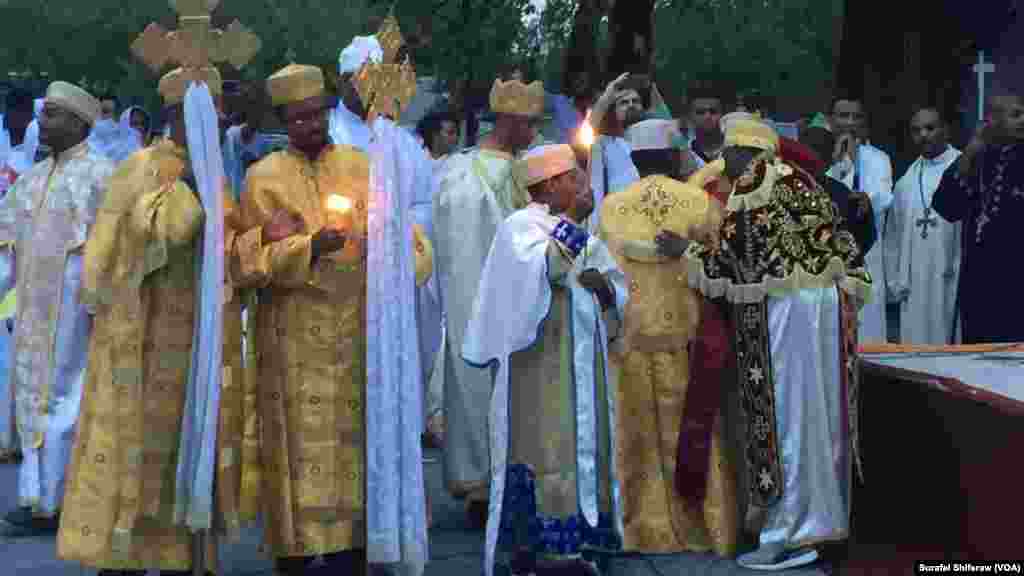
(285, 263)
(167, 218)
(424, 255)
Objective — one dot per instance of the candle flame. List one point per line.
(338, 203)
(586, 132)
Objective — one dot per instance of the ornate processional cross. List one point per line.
(196, 44)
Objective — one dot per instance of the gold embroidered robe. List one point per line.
(310, 338)
(652, 362)
(139, 282)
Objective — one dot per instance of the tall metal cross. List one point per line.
(981, 69)
(196, 44)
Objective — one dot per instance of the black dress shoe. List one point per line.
(21, 523)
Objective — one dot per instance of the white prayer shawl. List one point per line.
(193, 502)
(44, 223)
(610, 155)
(395, 498)
(474, 197)
(875, 179)
(344, 127)
(8, 438)
(922, 273)
(508, 313)
(115, 140)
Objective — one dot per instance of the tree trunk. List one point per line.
(631, 38)
(582, 68)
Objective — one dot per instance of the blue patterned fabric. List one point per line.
(522, 527)
(571, 236)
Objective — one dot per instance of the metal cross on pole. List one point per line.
(195, 46)
(981, 69)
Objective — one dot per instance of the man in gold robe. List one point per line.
(316, 289)
(644, 225)
(140, 284)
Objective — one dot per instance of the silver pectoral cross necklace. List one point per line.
(927, 220)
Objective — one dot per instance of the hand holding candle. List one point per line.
(340, 213)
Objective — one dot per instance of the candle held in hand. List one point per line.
(340, 209)
(585, 136)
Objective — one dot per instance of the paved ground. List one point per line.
(455, 550)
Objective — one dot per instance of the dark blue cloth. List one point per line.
(522, 526)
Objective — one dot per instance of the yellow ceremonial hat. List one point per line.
(544, 162)
(753, 133)
(175, 83)
(514, 97)
(295, 83)
(75, 100)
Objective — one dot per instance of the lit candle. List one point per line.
(585, 136)
(340, 208)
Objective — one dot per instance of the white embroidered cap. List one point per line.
(654, 134)
(361, 50)
(75, 100)
(545, 162)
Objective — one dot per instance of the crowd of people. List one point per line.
(645, 343)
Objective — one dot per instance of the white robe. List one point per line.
(400, 178)
(45, 218)
(804, 335)
(508, 313)
(477, 192)
(922, 273)
(613, 152)
(875, 179)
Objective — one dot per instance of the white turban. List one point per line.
(359, 52)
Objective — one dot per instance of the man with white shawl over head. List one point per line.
(538, 322)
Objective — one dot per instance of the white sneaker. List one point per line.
(775, 557)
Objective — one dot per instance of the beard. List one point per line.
(632, 117)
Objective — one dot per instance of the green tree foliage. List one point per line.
(783, 48)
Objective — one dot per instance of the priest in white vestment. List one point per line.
(864, 168)
(922, 254)
(538, 325)
(44, 221)
(792, 289)
(611, 166)
(19, 140)
(477, 192)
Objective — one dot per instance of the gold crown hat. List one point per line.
(653, 134)
(514, 97)
(386, 87)
(295, 83)
(544, 162)
(752, 133)
(75, 100)
(175, 83)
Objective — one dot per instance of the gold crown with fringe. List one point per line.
(752, 133)
(388, 87)
(514, 97)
